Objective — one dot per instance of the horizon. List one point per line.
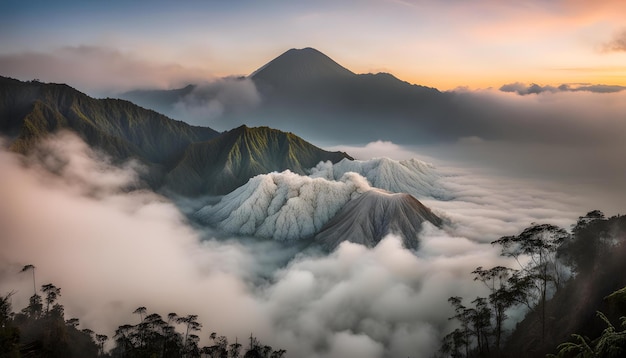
(442, 45)
(522, 127)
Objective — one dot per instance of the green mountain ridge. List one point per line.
(227, 162)
(188, 159)
(32, 110)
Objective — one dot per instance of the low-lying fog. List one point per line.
(67, 211)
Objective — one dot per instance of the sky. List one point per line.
(558, 155)
(442, 44)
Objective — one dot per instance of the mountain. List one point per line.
(289, 207)
(297, 68)
(411, 176)
(32, 110)
(375, 214)
(228, 161)
(161, 101)
(305, 91)
(186, 159)
(282, 206)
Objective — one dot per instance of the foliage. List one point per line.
(35, 332)
(611, 344)
(537, 245)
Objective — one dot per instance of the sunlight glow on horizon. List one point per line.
(442, 45)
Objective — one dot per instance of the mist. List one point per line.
(112, 248)
(211, 100)
(99, 70)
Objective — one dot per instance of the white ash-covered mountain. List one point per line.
(282, 206)
(375, 214)
(411, 176)
(289, 207)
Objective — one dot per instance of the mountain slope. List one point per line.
(282, 206)
(375, 214)
(31, 110)
(411, 176)
(228, 161)
(161, 101)
(189, 160)
(296, 68)
(305, 91)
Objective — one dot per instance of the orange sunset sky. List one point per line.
(107, 46)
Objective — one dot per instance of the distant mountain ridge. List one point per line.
(296, 67)
(307, 92)
(186, 159)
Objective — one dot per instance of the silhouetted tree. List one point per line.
(34, 308)
(453, 344)
(141, 311)
(539, 245)
(462, 314)
(31, 268)
(505, 291)
(101, 339)
(191, 325)
(52, 293)
(73, 322)
(234, 350)
(9, 334)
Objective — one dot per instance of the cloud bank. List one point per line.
(617, 43)
(211, 100)
(112, 250)
(525, 89)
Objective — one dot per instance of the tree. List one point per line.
(191, 325)
(505, 291)
(33, 310)
(475, 322)
(73, 322)
(31, 268)
(52, 293)
(453, 343)
(234, 350)
(141, 311)
(5, 309)
(9, 334)
(219, 349)
(589, 244)
(538, 246)
(123, 340)
(101, 339)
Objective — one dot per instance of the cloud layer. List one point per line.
(617, 43)
(111, 250)
(208, 101)
(525, 89)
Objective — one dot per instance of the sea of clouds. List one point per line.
(112, 248)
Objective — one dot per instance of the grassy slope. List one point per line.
(227, 162)
(31, 110)
(193, 160)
